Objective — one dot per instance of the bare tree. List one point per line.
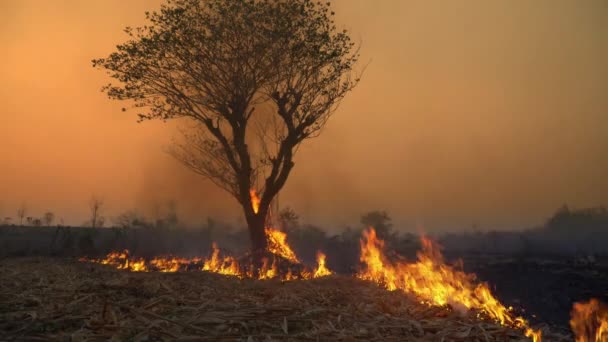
(255, 78)
(48, 218)
(130, 218)
(96, 205)
(21, 212)
(288, 219)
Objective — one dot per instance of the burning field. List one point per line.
(221, 297)
(50, 300)
(280, 262)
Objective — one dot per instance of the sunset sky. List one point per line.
(481, 112)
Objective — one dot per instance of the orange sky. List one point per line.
(487, 112)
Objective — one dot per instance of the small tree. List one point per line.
(48, 218)
(21, 212)
(130, 219)
(96, 205)
(381, 222)
(288, 219)
(255, 77)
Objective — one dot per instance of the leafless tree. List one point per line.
(255, 78)
(96, 205)
(130, 218)
(48, 218)
(21, 212)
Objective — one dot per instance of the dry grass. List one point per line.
(53, 299)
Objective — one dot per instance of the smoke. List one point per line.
(476, 112)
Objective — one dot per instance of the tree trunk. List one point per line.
(259, 244)
(257, 234)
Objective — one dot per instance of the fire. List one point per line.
(255, 200)
(321, 270)
(226, 265)
(215, 263)
(136, 265)
(430, 278)
(171, 264)
(122, 261)
(434, 281)
(277, 244)
(268, 270)
(589, 321)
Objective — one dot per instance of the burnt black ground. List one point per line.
(544, 289)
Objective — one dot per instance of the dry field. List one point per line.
(44, 299)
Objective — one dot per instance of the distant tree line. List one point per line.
(569, 232)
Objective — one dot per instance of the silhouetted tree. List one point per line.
(96, 205)
(256, 78)
(288, 219)
(131, 219)
(48, 218)
(380, 220)
(21, 212)
(572, 221)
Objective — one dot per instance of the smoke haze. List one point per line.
(469, 112)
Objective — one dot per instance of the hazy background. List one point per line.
(472, 112)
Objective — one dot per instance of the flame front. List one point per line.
(122, 261)
(226, 265)
(589, 321)
(434, 281)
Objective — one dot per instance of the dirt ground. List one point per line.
(46, 299)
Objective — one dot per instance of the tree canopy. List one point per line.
(256, 77)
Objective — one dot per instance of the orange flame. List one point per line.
(171, 264)
(227, 265)
(255, 200)
(321, 270)
(277, 244)
(435, 282)
(589, 321)
(122, 261)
